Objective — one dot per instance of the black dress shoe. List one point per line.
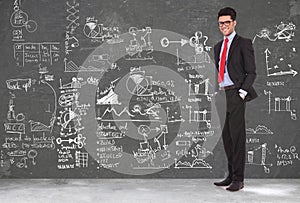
(235, 186)
(225, 182)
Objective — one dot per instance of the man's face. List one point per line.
(226, 25)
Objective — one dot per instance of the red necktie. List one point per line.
(223, 60)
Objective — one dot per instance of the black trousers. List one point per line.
(234, 134)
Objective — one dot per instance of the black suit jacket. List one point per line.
(240, 64)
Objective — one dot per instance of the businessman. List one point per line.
(235, 62)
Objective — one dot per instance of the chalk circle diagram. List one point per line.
(91, 29)
(137, 84)
(20, 19)
(133, 84)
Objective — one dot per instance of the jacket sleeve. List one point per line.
(249, 64)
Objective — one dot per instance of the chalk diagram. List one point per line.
(137, 83)
(15, 124)
(261, 151)
(280, 104)
(270, 70)
(200, 88)
(148, 149)
(193, 156)
(95, 31)
(71, 66)
(20, 18)
(73, 15)
(21, 150)
(140, 46)
(260, 129)
(283, 32)
(150, 100)
(198, 42)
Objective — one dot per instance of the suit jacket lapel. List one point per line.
(232, 46)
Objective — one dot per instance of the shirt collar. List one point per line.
(231, 36)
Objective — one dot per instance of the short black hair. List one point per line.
(227, 11)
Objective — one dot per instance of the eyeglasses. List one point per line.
(226, 23)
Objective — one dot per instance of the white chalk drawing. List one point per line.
(196, 163)
(123, 115)
(198, 42)
(36, 53)
(20, 18)
(200, 89)
(260, 129)
(73, 17)
(165, 42)
(140, 47)
(32, 154)
(153, 110)
(147, 152)
(79, 140)
(53, 117)
(81, 108)
(112, 110)
(67, 99)
(283, 32)
(19, 84)
(69, 121)
(72, 67)
(278, 73)
(102, 59)
(137, 83)
(199, 116)
(15, 123)
(14, 128)
(81, 159)
(71, 42)
(17, 35)
(22, 163)
(75, 84)
(173, 117)
(43, 70)
(110, 96)
(252, 154)
(99, 32)
(280, 104)
(36, 126)
(11, 115)
(286, 156)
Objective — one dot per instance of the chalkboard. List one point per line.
(124, 89)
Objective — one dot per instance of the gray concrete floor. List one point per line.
(145, 191)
